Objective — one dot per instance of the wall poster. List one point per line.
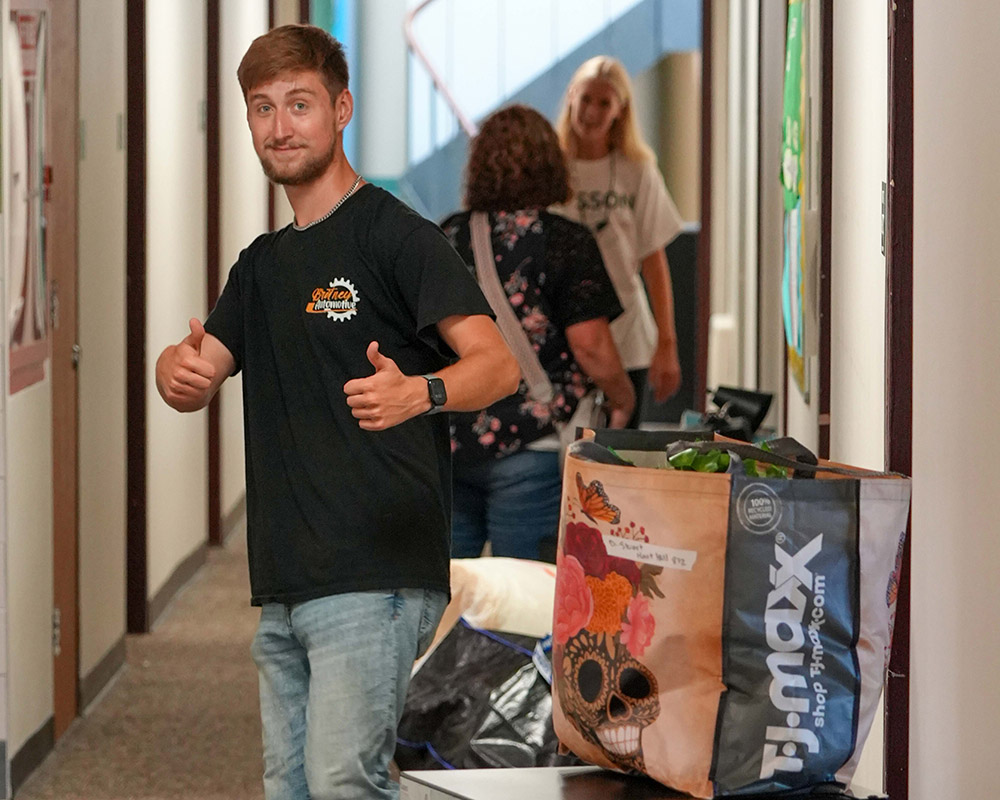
(27, 312)
(793, 168)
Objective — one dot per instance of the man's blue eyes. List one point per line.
(264, 109)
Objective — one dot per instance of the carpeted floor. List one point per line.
(181, 720)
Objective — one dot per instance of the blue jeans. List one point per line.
(333, 677)
(512, 501)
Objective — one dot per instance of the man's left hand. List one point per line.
(386, 398)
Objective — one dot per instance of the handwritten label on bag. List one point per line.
(669, 557)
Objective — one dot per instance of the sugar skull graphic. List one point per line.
(603, 626)
(609, 696)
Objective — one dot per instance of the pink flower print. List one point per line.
(495, 424)
(574, 602)
(516, 299)
(638, 627)
(535, 322)
(487, 439)
(540, 411)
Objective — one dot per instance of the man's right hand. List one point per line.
(186, 381)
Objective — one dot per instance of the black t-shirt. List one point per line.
(330, 507)
(554, 277)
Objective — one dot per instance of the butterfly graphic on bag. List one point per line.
(595, 504)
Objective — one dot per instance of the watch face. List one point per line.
(435, 388)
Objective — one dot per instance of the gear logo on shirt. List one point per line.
(338, 301)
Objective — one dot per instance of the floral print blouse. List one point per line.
(554, 277)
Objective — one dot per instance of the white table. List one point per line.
(540, 783)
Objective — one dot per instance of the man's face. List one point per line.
(295, 126)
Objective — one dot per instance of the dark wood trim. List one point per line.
(899, 368)
(213, 221)
(784, 386)
(180, 576)
(32, 754)
(825, 224)
(93, 683)
(305, 11)
(703, 276)
(760, 183)
(784, 343)
(135, 269)
(61, 242)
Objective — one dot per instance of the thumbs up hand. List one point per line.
(183, 378)
(194, 339)
(386, 398)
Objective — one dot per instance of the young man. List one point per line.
(346, 326)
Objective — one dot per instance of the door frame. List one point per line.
(62, 114)
(899, 368)
(137, 578)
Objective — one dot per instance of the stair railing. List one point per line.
(437, 80)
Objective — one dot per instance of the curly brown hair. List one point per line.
(294, 48)
(515, 162)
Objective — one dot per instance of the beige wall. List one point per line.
(680, 130)
(29, 554)
(286, 12)
(956, 380)
(857, 325)
(4, 662)
(102, 428)
(243, 210)
(176, 455)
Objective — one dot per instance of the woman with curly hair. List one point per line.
(620, 195)
(507, 484)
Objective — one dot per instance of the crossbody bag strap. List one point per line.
(539, 386)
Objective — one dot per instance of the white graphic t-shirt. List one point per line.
(628, 209)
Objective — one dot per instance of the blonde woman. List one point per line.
(620, 195)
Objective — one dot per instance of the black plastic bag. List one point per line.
(479, 701)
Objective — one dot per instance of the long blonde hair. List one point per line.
(624, 135)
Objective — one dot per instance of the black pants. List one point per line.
(638, 378)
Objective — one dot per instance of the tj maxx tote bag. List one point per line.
(724, 633)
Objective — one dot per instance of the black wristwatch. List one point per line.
(436, 392)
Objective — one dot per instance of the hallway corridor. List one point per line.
(181, 720)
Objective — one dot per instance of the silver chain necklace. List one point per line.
(330, 213)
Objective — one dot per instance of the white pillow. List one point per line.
(505, 594)
(513, 595)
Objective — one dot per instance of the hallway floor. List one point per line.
(181, 719)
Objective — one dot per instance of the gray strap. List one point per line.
(539, 386)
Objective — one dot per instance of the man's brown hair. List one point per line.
(515, 162)
(294, 48)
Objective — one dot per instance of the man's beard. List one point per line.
(307, 173)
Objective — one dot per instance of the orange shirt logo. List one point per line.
(338, 301)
